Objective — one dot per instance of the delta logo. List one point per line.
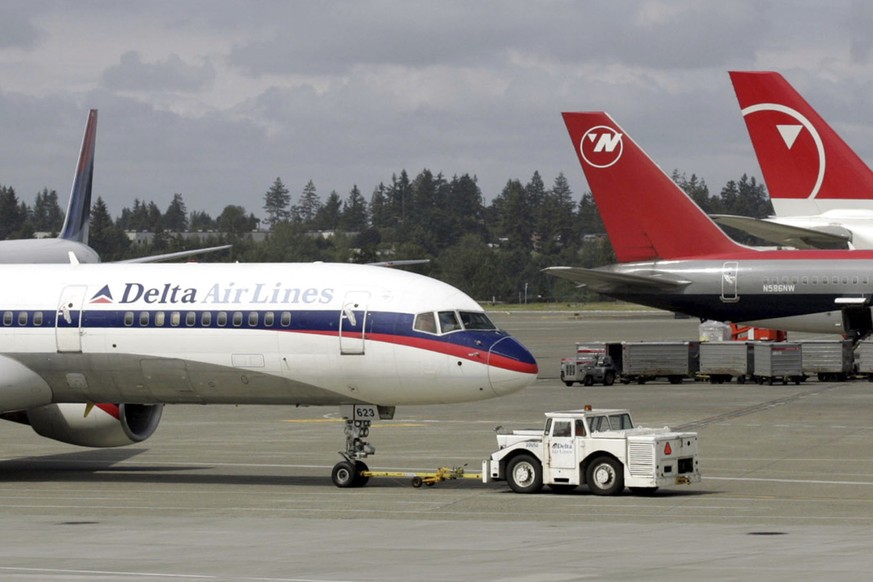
(103, 296)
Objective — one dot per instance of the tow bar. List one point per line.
(418, 479)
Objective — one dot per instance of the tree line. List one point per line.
(493, 251)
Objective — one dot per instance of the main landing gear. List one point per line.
(358, 418)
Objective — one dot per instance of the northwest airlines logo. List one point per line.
(789, 133)
(601, 146)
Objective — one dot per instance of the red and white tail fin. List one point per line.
(808, 168)
(647, 216)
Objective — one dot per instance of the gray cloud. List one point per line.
(171, 74)
(227, 97)
(16, 28)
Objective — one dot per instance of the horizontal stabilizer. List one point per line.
(835, 237)
(609, 281)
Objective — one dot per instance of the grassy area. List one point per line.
(588, 306)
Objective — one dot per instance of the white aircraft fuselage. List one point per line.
(301, 334)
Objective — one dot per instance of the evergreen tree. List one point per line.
(136, 219)
(353, 217)
(753, 199)
(309, 205)
(697, 189)
(514, 215)
(12, 216)
(175, 219)
(155, 222)
(588, 218)
(276, 202)
(106, 238)
(398, 199)
(47, 214)
(463, 208)
(555, 223)
(379, 212)
(328, 216)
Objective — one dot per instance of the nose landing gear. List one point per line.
(358, 418)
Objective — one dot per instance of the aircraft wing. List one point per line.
(610, 281)
(176, 255)
(400, 263)
(834, 237)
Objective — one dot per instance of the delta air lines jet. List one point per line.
(72, 242)
(363, 338)
(673, 256)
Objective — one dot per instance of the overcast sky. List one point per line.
(215, 99)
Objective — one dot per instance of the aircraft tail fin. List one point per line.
(647, 216)
(802, 158)
(79, 208)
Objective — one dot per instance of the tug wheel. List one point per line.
(525, 474)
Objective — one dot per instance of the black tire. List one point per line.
(588, 381)
(524, 474)
(741, 379)
(675, 379)
(361, 480)
(605, 476)
(645, 491)
(416, 482)
(609, 379)
(567, 383)
(343, 475)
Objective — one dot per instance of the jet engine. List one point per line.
(97, 425)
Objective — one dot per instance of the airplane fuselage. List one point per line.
(318, 334)
(803, 293)
(45, 250)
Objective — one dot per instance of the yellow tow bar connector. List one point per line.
(430, 479)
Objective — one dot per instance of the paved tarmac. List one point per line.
(244, 493)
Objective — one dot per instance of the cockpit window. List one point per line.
(449, 321)
(425, 322)
(475, 320)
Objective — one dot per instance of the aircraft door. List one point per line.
(352, 324)
(68, 322)
(729, 274)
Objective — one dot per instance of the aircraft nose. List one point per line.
(511, 366)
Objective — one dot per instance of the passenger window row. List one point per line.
(807, 280)
(206, 318)
(173, 318)
(23, 318)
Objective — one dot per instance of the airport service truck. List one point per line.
(593, 363)
(628, 362)
(600, 448)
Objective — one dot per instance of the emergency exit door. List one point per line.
(729, 274)
(353, 323)
(68, 321)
